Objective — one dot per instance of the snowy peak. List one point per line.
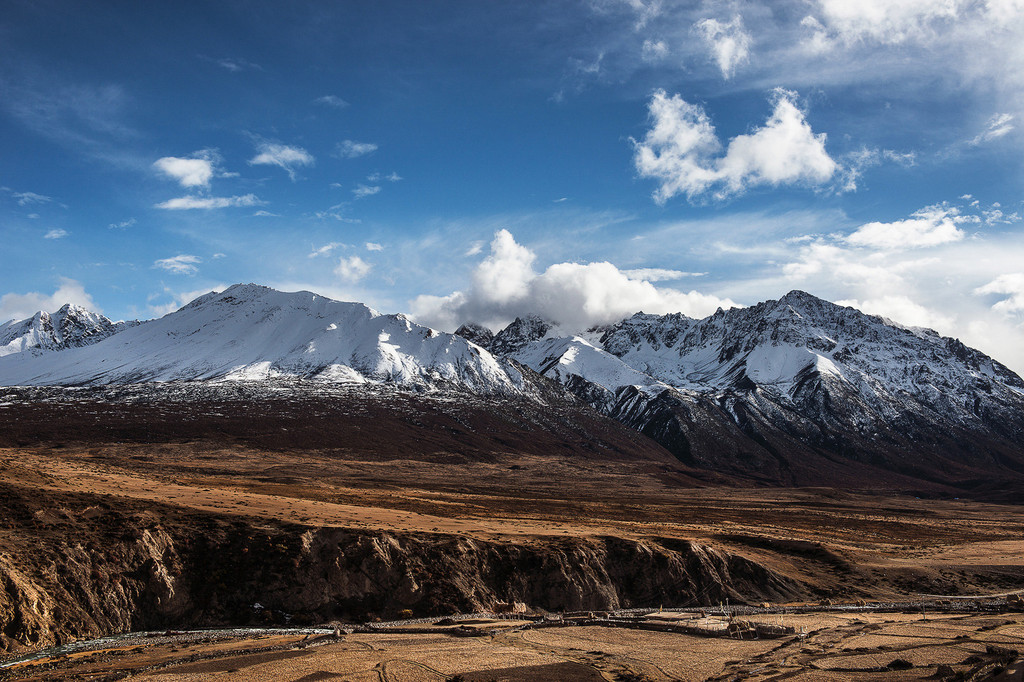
(251, 332)
(519, 333)
(478, 334)
(654, 331)
(71, 326)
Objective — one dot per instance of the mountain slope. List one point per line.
(70, 327)
(799, 391)
(250, 332)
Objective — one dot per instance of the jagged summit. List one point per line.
(71, 326)
(478, 334)
(521, 331)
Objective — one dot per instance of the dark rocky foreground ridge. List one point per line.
(91, 566)
(76, 565)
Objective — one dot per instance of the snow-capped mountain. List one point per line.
(794, 391)
(250, 332)
(771, 390)
(70, 327)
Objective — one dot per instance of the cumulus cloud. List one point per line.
(350, 149)
(185, 203)
(373, 246)
(352, 269)
(332, 101)
(182, 264)
(928, 226)
(21, 306)
(910, 270)
(728, 42)
(193, 171)
(995, 127)
(56, 233)
(682, 151)
(123, 225)
(282, 156)
(505, 285)
(362, 190)
(1011, 286)
(902, 310)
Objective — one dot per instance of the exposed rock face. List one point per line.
(97, 569)
(70, 327)
(476, 333)
(520, 332)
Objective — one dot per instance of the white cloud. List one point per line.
(373, 246)
(728, 42)
(887, 22)
(352, 269)
(995, 216)
(332, 101)
(265, 214)
(995, 127)
(184, 203)
(902, 310)
(325, 250)
(124, 224)
(29, 198)
(178, 299)
(194, 171)
(56, 233)
(282, 156)
(22, 306)
(929, 226)
(682, 151)
(505, 285)
(235, 65)
(182, 264)
(350, 149)
(1011, 285)
(654, 50)
(377, 177)
(659, 274)
(362, 190)
(644, 11)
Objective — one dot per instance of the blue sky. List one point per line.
(474, 161)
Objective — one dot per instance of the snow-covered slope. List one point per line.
(251, 332)
(744, 389)
(780, 346)
(70, 327)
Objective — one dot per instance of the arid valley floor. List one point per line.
(112, 524)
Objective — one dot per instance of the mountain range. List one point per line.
(794, 391)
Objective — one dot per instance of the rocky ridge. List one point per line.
(72, 326)
(794, 391)
(97, 568)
